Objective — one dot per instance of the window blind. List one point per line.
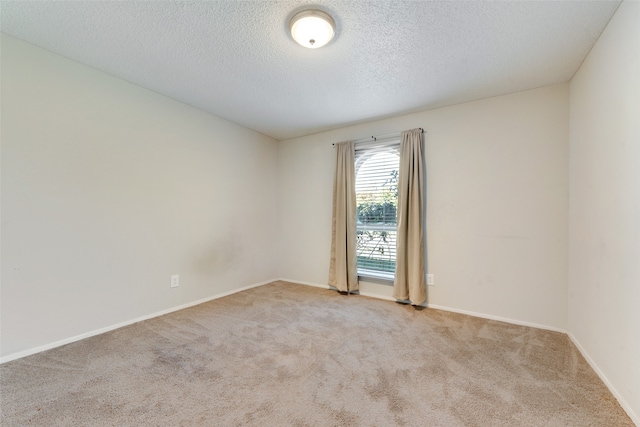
(377, 165)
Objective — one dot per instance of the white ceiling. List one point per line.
(237, 60)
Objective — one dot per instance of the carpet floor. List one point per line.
(290, 355)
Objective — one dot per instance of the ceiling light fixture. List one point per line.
(312, 28)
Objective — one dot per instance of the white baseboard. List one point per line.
(440, 307)
(498, 318)
(29, 352)
(384, 297)
(316, 285)
(300, 282)
(628, 409)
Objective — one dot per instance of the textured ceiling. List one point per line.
(237, 60)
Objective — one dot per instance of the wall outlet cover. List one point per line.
(175, 280)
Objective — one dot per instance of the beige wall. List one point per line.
(108, 189)
(497, 184)
(604, 280)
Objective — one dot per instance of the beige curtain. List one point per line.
(343, 268)
(410, 281)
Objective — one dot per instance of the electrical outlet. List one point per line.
(430, 280)
(175, 280)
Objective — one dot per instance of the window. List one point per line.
(377, 200)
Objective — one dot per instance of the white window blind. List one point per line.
(377, 168)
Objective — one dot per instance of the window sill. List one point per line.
(376, 277)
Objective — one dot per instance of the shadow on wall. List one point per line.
(222, 256)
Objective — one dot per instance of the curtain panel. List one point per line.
(343, 267)
(409, 278)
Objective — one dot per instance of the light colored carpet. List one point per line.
(291, 355)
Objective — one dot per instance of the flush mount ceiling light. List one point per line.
(312, 28)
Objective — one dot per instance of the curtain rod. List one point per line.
(375, 138)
